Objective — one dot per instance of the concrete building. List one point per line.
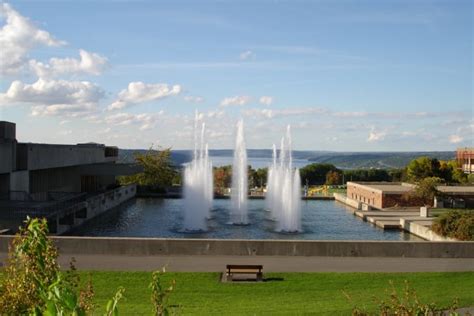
(382, 195)
(465, 157)
(59, 182)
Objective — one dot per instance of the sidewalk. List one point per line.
(270, 263)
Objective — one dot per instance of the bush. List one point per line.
(33, 283)
(455, 224)
(406, 303)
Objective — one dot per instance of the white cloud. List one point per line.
(89, 63)
(266, 100)
(455, 139)
(54, 97)
(284, 112)
(247, 55)
(139, 92)
(145, 120)
(237, 100)
(17, 37)
(375, 136)
(193, 99)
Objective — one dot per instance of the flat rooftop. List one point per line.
(457, 189)
(400, 188)
(385, 187)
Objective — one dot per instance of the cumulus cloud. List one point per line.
(17, 37)
(236, 100)
(54, 97)
(139, 92)
(88, 63)
(145, 120)
(193, 99)
(247, 55)
(455, 139)
(265, 100)
(375, 136)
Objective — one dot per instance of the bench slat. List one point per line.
(248, 271)
(244, 266)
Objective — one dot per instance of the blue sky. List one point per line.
(347, 75)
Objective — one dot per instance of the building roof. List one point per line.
(400, 188)
(385, 187)
(464, 190)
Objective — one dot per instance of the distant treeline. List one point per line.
(160, 172)
(342, 160)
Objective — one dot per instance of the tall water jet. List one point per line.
(284, 188)
(239, 179)
(198, 183)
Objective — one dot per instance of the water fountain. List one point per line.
(198, 183)
(239, 179)
(284, 188)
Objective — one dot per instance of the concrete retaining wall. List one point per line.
(158, 246)
(422, 231)
(348, 201)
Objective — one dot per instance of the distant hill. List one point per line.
(343, 160)
(377, 159)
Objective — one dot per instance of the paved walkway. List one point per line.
(271, 263)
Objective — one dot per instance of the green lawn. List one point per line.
(435, 212)
(285, 293)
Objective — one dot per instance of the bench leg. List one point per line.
(259, 276)
(229, 277)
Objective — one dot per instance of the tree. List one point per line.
(470, 178)
(367, 175)
(158, 171)
(426, 190)
(258, 178)
(315, 173)
(423, 167)
(222, 178)
(333, 177)
(397, 175)
(457, 175)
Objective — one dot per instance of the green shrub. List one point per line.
(34, 285)
(455, 224)
(405, 303)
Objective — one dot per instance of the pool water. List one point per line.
(150, 217)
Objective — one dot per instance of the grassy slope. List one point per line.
(321, 293)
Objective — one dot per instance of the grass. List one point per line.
(435, 212)
(285, 293)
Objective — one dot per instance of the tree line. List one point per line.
(160, 173)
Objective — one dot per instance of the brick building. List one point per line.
(388, 194)
(380, 194)
(465, 156)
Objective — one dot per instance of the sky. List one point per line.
(346, 75)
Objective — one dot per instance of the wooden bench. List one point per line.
(244, 269)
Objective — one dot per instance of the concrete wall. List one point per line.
(55, 179)
(156, 246)
(100, 203)
(44, 156)
(422, 231)
(6, 157)
(348, 201)
(95, 206)
(20, 181)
